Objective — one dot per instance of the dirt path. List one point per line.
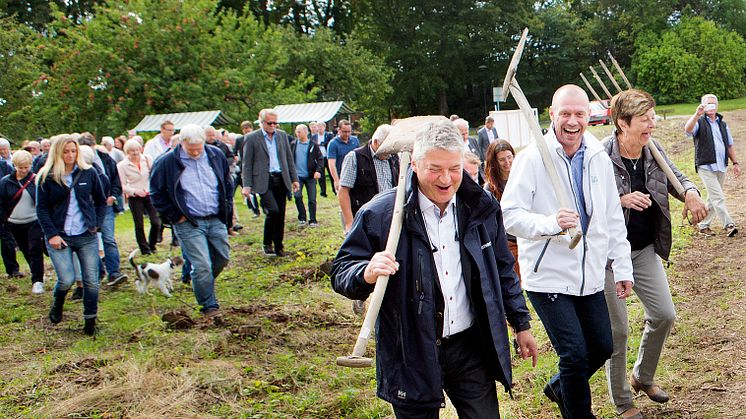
(705, 358)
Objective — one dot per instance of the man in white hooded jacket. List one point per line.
(566, 286)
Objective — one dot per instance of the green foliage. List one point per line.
(150, 56)
(446, 54)
(342, 70)
(693, 58)
(19, 48)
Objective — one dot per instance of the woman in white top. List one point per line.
(18, 212)
(134, 172)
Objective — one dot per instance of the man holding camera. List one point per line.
(713, 145)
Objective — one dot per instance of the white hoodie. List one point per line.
(530, 206)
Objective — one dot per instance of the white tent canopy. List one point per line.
(203, 119)
(306, 112)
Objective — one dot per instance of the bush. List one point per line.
(692, 58)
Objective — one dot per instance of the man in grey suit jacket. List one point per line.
(268, 169)
(487, 135)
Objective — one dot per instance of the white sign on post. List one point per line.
(513, 127)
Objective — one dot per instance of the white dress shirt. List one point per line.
(442, 231)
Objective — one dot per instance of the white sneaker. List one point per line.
(38, 288)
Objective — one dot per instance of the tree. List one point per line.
(342, 70)
(693, 58)
(19, 77)
(38, 13)
(149, 56)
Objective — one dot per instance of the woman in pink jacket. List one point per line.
(134, 171)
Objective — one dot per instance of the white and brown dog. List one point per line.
(155, 272)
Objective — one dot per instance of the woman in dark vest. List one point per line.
(643, 190)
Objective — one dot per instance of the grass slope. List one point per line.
(272, 356)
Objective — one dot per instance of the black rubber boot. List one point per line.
(55, 312)
(90, 326)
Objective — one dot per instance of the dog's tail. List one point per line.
(131, 259)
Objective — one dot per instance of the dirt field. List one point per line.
(706, 354)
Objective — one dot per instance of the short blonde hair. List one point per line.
(630, 103)
(20, 157)
(131, 144)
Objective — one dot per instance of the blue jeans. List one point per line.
(111, 250)
(206, 246)
(580, 332)
(85, 246)
(310, 184)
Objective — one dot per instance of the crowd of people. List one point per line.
(482, 225)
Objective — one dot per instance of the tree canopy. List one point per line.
(101, 66)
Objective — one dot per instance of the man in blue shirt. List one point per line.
(342, 144)
(191, 189)
(713, 145)
(309, 163)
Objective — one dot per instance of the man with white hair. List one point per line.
(442, 320)
(308, 165)
(713, 145)
(5, 154)
(190, 187)
(115, 153)
(268, 168)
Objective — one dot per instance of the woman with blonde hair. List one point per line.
(70, 206)
(134, 171)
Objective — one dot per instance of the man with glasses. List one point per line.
(268, 169)
(338, 148)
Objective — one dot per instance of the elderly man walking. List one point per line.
(442, 324)
(268, 168)
(190, 187)
(309, 164)
(713, 145)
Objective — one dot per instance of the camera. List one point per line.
(710, 107)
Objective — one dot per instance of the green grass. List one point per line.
(689, 108)
(136, 366)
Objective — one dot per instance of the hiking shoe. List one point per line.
(237, 227)
(116, 279)
(313, 224)
(256, 215)
(16, 274)
(77, 294)
(653, 391)
(731, 230)
(37, 288)
(269, 251)
(302, 222)
(280, 253)
(707, 232)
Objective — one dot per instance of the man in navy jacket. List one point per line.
(191, 188)
(442, 319)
